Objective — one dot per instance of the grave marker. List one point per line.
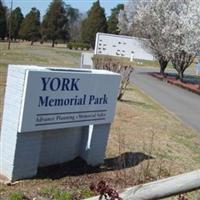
(86, 60)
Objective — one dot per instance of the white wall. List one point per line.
(120, 45)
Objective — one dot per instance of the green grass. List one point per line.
(16, 196)
(57, 194)
(24, 53)
(86, 193)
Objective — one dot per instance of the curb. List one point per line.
(181, 85)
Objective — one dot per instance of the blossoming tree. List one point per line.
(172, 28)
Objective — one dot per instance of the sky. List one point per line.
(42, 5)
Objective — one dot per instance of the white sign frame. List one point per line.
(97, 107)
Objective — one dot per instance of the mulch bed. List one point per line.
(190, 83)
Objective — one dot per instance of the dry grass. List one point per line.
(173, 140)
(159, 145)
(24, 53)
(146, 141)
(148, 128)
(139, 117)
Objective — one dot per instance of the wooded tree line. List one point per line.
(60, 22)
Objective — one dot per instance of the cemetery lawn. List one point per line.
(155, 143)
(146, 141)
(24, 53)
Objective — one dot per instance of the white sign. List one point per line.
(56, 99)
(122, 46)
(86, 60)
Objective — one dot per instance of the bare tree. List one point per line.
(110, 63)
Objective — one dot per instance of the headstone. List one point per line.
(86, 60)
(46, 117)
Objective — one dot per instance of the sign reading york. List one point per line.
(54, 99)
(67, 84)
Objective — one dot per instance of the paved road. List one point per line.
(185, 104)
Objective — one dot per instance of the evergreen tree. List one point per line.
(95, 22)
(30, 27)
(2, 21)
(113, 19)
(72, 14)
(16, 20)
(74, 18)
(55, 23)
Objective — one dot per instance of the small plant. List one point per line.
(56, 194)
(86, 193)
(16, 196)
(78, 45)
(59, 195)
(182, 197)
(104, 190)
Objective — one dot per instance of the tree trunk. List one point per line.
(163, 64)
(181, 76)
(53, 43)
(31, 43)
(162, 70)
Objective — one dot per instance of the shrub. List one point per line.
(70, 45)
(78, 45)
(105, 191)
(115, 64)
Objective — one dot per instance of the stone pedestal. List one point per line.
(27, 144)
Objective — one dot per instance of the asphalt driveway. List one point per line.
(185, 104)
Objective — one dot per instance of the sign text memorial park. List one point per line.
(46, 117)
